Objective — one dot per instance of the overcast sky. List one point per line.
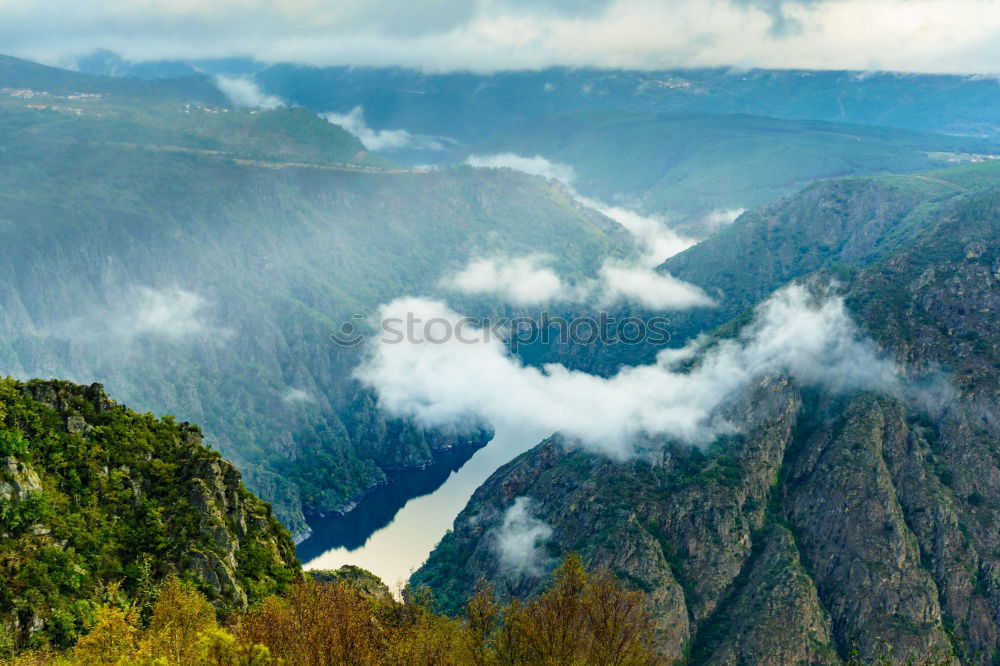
(904, 35)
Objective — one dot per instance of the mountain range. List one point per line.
(201, 259)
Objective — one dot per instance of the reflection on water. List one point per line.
(380, 506)
(394, 529)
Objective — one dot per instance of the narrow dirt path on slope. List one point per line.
(943, 182)
(266, 164)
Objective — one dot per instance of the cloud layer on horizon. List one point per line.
(961, 36)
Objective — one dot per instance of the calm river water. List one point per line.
(393, 529)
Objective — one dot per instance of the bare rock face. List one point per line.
(774, 616)
(804, 541)
(678, 528)
(17, 480)
(852, 530)
(219, 575)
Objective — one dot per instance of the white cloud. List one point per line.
(536, 166)
(656, 242)
(294, 395)
(652, 290)
(521, 280)
(528, 281)
(719, 218)
(244, 91)
(813, 340)
(489, 35)
(520, 541)
(383, 140)
(171, 314)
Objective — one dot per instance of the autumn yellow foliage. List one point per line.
(580, 619)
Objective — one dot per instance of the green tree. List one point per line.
(553, 627)
(481, 616)
(180, 614)
(112, 640)
(217, 647)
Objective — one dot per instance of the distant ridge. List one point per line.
(18, 73)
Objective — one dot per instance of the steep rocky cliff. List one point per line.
(97, 500)
(831, 526)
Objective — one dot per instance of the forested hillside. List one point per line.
(17, 74)
(197, 259)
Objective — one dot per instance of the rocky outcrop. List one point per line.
(794, 544)
(773, 615)
(678, 526)
(843, 505)
(218, 575)
(93, 494)
(17, 480)
(364, 582)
